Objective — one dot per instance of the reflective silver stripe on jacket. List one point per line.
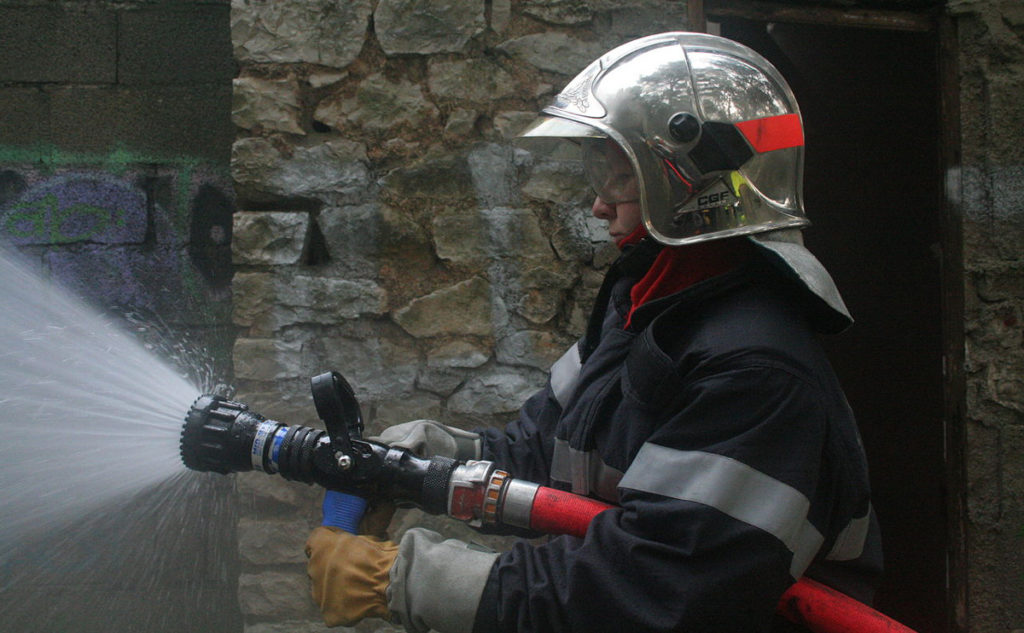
(849, 544)
(733, 488)
(564, 374)
(585, 472)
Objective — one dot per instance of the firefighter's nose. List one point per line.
(602, 210)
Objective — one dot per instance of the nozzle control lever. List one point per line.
(337, 406)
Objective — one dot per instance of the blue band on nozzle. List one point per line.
(342, 510)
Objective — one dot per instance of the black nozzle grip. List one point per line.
(435, 485)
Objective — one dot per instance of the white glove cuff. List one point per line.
(436, 584)
(428, 438)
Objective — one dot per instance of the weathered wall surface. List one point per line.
(390, 230)
(991, 36)
(115, 138)
(114, 145)
(125, 230)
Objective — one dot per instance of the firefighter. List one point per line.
(698, 400)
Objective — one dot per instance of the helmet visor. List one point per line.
(609, 171)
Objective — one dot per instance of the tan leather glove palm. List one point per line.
(350, 575)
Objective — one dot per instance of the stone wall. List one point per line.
(389, 230)
(991, 37)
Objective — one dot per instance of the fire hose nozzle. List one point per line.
(223, 436)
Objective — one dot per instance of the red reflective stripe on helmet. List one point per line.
(774, 132)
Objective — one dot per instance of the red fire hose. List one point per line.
(808, 603)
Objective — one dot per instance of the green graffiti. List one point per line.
(75, 223)
(25, 221)
(117, 162)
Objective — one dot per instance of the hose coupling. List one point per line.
(474, 492)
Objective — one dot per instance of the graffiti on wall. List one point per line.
(71, 208)
(121, 229)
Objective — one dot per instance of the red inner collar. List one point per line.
(679, 267)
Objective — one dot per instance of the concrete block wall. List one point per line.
(117, 115)
(115, 137)
(150, 77)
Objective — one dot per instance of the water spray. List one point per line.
(90, 414)
(224, 436)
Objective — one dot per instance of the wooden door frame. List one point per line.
(950, 227)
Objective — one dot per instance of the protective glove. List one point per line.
(377, 519)
(428, 438)
(350, 575)
(423, 583)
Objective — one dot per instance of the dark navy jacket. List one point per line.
(717, 424)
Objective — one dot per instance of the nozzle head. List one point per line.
(214, 435)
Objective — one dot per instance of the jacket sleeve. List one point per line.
(524, 446)
(721, 509)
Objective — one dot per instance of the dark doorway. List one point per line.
(873, 185)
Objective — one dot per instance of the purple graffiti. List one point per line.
(123, 277)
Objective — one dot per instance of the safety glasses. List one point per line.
(609, 171)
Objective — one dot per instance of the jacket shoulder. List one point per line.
(758, 322)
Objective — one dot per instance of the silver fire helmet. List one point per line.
(715, 140)
(712, 130)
